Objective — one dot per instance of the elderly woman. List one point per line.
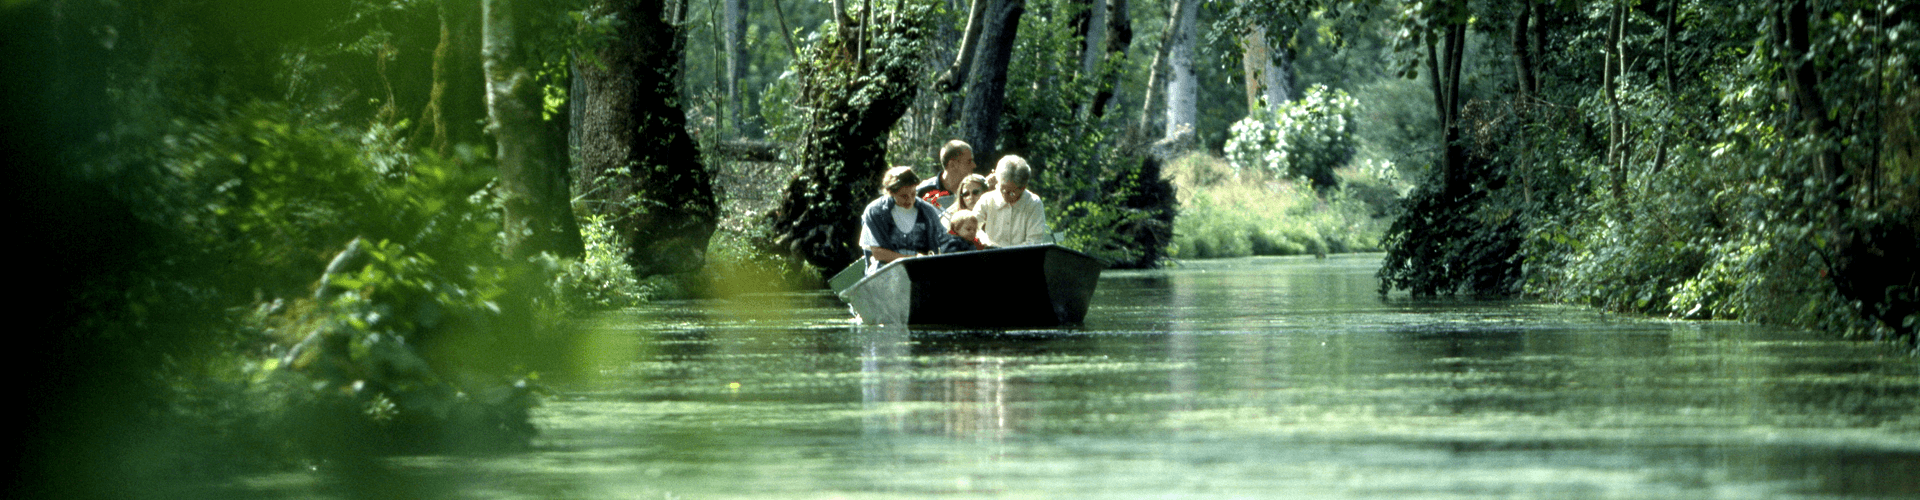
(897, 225)
(1010, 214)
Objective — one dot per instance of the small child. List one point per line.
(963, 232)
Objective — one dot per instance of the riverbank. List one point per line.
(1225, 213)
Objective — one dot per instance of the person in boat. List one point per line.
(956, 163)
(1010, 214)
(898, 225)
(968, 199)
(964, 232)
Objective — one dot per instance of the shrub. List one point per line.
(601, 277)
(1239, 217)
(1306, 138)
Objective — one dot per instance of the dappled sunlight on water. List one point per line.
(1284, 378)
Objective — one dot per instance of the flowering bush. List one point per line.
(1306, 138)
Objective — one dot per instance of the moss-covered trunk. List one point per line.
(852, 99)
(637, 163)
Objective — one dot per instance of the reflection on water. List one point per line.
(1285, 378)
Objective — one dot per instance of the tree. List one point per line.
(638, 165)
(1182, 87)
(1439, 35)
(1118, 36)
(735, 28)
(457, 101)
(533, 188)
(1268, 69)
(856, 81)
(987, 83)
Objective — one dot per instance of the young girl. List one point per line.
(967, 199)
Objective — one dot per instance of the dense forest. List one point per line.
(284, 233)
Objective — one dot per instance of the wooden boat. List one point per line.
(1028, 285)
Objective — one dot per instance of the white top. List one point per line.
(1005, 224)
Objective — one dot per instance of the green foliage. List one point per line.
(1108, 205)
(1225, 216)
(1693, 191)
(282, 192)
(1306, 138)
(601, 277)
(1045, 91)
(421, 318)
(737, 265)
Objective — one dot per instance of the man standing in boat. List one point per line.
(898, 225)
(1010, 214)
(956, 162)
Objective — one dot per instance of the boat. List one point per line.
(1022, 286)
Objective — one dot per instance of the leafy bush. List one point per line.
(1306, 138)
(417, 336)
(1240, 217)
(601, 277)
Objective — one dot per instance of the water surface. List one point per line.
(1257, 378)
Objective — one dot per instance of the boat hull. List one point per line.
(1030, 285)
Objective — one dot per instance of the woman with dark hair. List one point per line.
(898, 225)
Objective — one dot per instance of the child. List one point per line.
(964, 233)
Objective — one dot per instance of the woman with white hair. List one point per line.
(1010, 214)
(898, 225)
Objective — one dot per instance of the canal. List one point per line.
(1253, 378)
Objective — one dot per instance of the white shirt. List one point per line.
(903, 219)
(1005, 224)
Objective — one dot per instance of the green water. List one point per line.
(1267, 378)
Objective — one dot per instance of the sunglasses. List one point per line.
(968, 192)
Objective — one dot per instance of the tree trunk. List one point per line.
(961, 70)
(736, 47)
(1183, 89)
(1524, 78)
(843, 152)
(537, 216)
(1616, 130)
(1267, 69)
(456, 111)
(638, 165)
(1092, 27)
(1119, 35)
(1525, 87)
(1156, 77)
(1804, 84)
(986, 90)
(1666, 78)
(1444, 63)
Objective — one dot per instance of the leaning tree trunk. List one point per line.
(987, 86)
(638, 165)
(850, 106)
(537, 217)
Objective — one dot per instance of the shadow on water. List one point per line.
(1234, 379)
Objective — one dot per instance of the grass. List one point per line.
(1238, 214)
